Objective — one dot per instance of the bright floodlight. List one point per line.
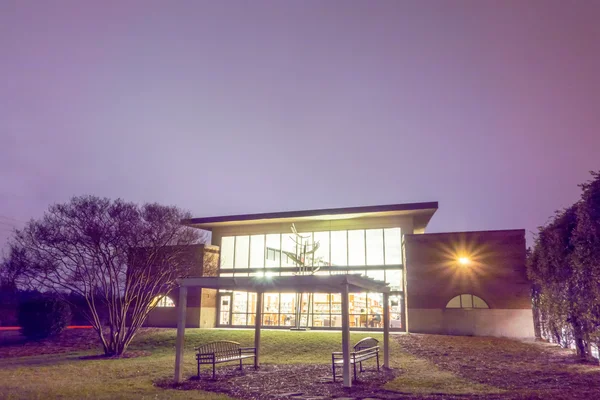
(464, 261)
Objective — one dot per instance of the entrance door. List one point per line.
(225, 309)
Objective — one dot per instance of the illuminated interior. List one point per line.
(376, 253)
(164, 301)
(467, 301)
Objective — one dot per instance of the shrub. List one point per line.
(43, 316)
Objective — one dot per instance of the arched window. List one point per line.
(467, 301)
(164, 301)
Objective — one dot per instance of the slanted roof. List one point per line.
(298, 283)
(422, 213)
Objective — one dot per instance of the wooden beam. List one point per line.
(386, 330)
(181, 311)
(257, 326)
(346, 337)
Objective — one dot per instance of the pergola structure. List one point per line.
(342, 284)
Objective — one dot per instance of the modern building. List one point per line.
(466, 283)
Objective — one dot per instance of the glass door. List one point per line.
(225, 309)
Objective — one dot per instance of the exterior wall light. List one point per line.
(464, 261)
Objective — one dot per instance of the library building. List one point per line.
(459, 283)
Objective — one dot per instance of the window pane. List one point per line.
(374, 246)
(239, 319)
(375, 309)
(466, 300)
(288, 303)
(394, 278)
(240, 302)
(227, 244)
(378, 275)
(271, 303)
(356, 247)
(395, 312)
(257, 251)
(251, 302)
(273, 249)
(479, 303)
(322, 254)
(454, 303)
(288, 244)
(393, 246)
(358, 303)
(242, 251)
(339, 248)
(321, 303)
(336, 303)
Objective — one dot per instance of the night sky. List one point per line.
(490, 108)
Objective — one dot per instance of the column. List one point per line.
(181, 311)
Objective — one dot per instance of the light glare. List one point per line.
(464, 261)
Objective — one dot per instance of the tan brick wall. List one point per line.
(201, 303)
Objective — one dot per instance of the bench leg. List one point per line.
(241, 367)
(214, 370)
(198, 369)
(354, 365)
(333, 368)
(361, 367)
(377, 362)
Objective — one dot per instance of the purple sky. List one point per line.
(490, 108)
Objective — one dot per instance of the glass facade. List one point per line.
(376, 253)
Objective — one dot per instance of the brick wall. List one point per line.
(495, 272)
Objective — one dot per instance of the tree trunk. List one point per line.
(580, 342)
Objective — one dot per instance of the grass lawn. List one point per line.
(67, 375)
(427, 365)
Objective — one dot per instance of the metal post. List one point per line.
(257, 326)
(181, 311)
(386, 330)
(346, 337)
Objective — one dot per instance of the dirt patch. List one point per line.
(298, 381)
(525, 369)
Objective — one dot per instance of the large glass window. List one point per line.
(242, 251)
(257, 251)
(339, 252)
(227, 248)
(356, 247)
(393, 246)
(339, 248)
(374, 238)
(273, 250)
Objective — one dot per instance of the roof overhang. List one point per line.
(299, 283)
(422, 213)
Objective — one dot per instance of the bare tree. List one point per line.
(118, 256)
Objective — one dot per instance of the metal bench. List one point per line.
(223, 351)
(364, 350)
